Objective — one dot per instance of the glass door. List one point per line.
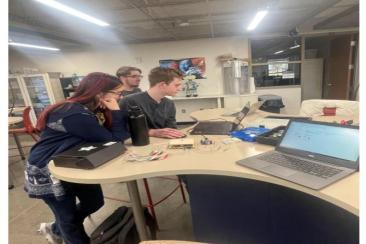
(15, 95)
(37, 92)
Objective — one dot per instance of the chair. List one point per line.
(318, 107)
(26, 129)
(151, 204)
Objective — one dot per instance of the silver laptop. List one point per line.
(252, 109)
(312, 154)
(220, 127)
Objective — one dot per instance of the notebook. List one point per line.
(220, 127)
(312, 154)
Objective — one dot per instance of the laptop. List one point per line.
(220, 127)
(312, 154)
(254, 107)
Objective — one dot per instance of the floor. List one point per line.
(25, 214)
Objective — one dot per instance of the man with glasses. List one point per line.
(130, 78)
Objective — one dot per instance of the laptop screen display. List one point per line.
(334, 141)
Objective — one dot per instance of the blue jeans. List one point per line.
(70, 216)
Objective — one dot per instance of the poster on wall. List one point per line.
(188, 66)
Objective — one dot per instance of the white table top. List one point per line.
(16, 109)
(217, 159)
(14, 120)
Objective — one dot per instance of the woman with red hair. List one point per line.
(92, 114)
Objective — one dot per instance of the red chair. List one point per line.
(27, 128)
(151, 204)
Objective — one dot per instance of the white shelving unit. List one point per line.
(36, 90)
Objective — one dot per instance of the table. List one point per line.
(16, 109)
(220, 161)
(14, 120)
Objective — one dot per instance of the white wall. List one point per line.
(147, 56)
(144, 56)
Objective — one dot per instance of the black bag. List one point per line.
(120, 228)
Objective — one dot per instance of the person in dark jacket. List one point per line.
(92, 114)
(159, 110)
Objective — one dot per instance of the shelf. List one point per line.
(36, 87)
(195, 98)
(214, 96)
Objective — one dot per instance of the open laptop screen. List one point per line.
(326, 139)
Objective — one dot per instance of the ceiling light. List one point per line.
(183, 24)
(74, 12)
(33, 46)
(278, 52)
(258, 18)
(296, 46)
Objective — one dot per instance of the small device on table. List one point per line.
(271, 137)
(181, 143)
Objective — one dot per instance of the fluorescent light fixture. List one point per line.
(258, 18)
(184, 24)
(278, 52)
(296, 46)
(74, 12)
(33, 46)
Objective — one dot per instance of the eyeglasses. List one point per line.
(135, 76)
(116, 93)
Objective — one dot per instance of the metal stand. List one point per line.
(21, 152)
(137, 210)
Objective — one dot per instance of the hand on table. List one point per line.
(166, 133)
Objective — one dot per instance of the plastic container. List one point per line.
(248, 134)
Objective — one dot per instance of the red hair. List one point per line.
(86, 93)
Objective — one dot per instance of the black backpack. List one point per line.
(120, 228)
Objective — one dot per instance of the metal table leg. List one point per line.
(137, 210)
(21, 152)
(10, 180)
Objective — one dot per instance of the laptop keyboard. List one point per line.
(301, 165)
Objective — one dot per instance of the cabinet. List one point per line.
(35, 90)
(186, 105)
(69, 84)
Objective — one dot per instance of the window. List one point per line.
(276, 61)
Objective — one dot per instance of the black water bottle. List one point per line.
(138, 126)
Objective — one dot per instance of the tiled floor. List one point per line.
(25, 214)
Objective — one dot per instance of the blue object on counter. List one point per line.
(248, 134)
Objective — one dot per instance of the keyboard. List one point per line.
(301, 165)
(212, 128)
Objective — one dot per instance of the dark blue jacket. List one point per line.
(67, 126)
